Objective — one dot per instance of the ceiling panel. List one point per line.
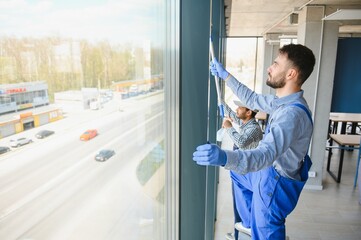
(258, 17)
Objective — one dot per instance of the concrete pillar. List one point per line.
(321, 37)
(270, 53)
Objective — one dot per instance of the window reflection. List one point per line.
(69, 67)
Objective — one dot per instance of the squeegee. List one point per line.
(216, 79)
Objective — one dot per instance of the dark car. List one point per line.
(4, 150)
(104, 155)
(44, 133)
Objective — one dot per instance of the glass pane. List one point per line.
(241, 62)
(91, 72)
(260, 75)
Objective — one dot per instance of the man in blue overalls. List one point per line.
(247, 136)
(274, 173)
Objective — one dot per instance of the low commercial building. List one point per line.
(20, 96)
(27, 119)
(76, 100)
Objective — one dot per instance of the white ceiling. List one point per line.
(260, 17)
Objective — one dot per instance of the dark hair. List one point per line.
(253, 113)
(301, 57)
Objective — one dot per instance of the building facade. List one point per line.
(20, 96)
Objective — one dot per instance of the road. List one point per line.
(54, 189)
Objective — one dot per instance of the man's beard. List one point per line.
(241, 116)
(276, 84)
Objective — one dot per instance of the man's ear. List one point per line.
(292, 73)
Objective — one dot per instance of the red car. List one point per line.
(89, 134)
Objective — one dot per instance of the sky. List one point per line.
(94, 20)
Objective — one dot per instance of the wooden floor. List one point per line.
(333, 213)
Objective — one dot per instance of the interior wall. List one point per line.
(347, 81)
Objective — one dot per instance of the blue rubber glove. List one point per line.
(217, 69)
(210, 154)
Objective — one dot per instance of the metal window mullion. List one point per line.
(172, 96)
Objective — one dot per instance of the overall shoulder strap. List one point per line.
(304, 109)
(307, 163)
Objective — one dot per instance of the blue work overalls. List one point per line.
(236, 193)
(265, 198)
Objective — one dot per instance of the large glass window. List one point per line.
(101, 173)
(242, 61)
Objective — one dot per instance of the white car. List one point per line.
(19, 142)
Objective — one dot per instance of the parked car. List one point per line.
(88, 134)
(104, 155)
(44, 134)
(4, 149)
(19, 142)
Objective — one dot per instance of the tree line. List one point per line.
(66, 64)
